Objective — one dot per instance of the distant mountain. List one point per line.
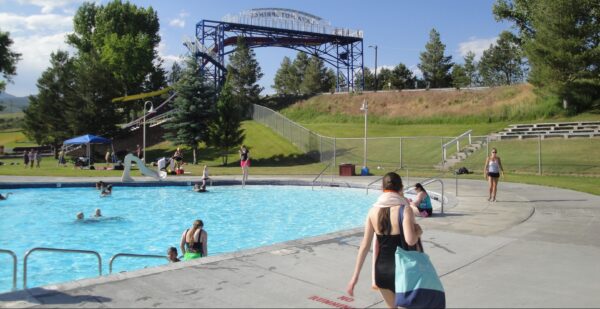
(13, 104)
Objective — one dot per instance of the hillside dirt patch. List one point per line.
(421, 104)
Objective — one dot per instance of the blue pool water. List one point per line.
(148, 220)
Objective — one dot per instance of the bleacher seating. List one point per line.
(550, 130)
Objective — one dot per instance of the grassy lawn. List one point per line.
(271, 154)
(14, 138)
(559, 156)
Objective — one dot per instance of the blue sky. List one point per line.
(399, 28)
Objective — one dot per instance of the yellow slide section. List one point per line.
(158, 175)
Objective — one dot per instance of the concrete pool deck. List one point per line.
(536, 247)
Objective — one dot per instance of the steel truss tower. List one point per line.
(340, 48)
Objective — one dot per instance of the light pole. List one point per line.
(375, 46)
(365, 108)
(151, 110)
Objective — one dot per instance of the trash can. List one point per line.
(347, 169)
(364, 171)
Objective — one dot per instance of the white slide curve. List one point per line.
(158, 175)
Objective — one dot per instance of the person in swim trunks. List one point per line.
(492, 170)
(193, 242)
(383, 221)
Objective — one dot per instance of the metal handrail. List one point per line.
(133, 255)
(455, 140)
(380, 178)
(432, 180)
(320, 174)
(14, 256)
(61, 251)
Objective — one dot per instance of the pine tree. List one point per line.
(287, 80)
(560, 40)
(194, 109)
(502, 63)
(434, 64)
(402, 77)
(174, 74)
(45, 119)
(369, 80)
(315, 77)
(225, 130)
(246, 73)
(471, 69)
(459, 77)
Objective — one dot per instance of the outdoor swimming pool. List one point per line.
(148, 220)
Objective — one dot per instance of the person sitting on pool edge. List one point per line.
(193, 242)
(172, 255)
(422, 201)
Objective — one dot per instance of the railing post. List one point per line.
(539, 155)
(334, 160)
(400, 152)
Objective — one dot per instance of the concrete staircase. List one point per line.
(461, 155)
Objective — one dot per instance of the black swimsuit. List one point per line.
(385, 264)
(196, 246)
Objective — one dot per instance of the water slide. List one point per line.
(158, 175)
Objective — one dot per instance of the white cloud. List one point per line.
(416, 71)
(18, 24)
(169, 59)
(35, 58)
(475, 45)
(176, 22)
(49, 5)
(180, 20)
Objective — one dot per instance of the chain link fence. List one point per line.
(556, 156)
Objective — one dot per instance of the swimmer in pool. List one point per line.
(106, 191)
(199, 188)
(98, 213)
(4, 197)
(79, 216)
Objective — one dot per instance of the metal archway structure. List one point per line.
(274, 27)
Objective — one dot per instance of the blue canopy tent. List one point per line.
(87, 140)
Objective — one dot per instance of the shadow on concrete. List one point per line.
(51, 297)
(539, 201)
(439, 215)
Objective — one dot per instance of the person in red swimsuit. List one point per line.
(244, 163)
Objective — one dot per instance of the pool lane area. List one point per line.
(482, 251)
(148, 220)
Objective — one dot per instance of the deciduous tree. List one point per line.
(8, 59)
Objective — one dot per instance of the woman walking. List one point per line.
(383, 222)
(492, 170)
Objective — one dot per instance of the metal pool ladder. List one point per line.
(14, 257)
(320, 174)
(112, 259)
(61, 251)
